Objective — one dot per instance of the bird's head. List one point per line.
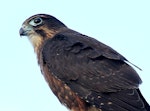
(40, 27)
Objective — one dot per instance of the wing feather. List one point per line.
(96, 72)
(88, 62)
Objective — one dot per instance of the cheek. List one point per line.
(45, 32)
(41, 32)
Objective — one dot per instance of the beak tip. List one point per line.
(21, 32)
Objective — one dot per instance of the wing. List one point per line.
(96, 72)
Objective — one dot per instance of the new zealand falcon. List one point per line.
(85, 74)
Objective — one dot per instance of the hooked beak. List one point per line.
(22, 32)
(25, 30)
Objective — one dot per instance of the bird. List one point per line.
(82, 72)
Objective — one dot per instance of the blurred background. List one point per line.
(122, 24)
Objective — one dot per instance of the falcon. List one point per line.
(84, 74)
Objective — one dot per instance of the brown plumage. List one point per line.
(85, 74)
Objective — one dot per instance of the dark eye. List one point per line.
(36, 22)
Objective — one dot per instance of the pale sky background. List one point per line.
(122, 24)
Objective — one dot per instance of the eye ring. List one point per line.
(36, 22)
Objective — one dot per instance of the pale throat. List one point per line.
(36, 41)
